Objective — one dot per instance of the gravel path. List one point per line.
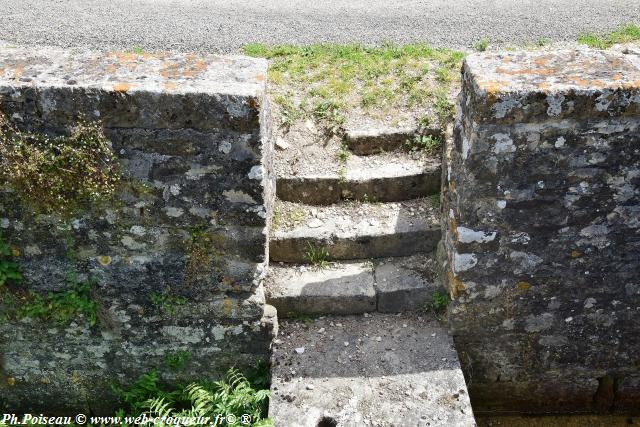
(226, 25)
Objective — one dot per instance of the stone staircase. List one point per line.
(376, 221)
(348, 247)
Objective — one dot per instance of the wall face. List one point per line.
(542, 230)
(178, 255)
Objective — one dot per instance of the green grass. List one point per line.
(329, 80)
(425, 143)
(318, 256)
(481, 45)
(624, 34)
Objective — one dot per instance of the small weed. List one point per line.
(481, 45)
(176, 360)
(443, 75)
(297, 215)
(342, 174)
(426, 143)
(329, 113)
(9, 269)
(318, 256)
(445, 109)
(439, 301)
(61, 307)
(166, 302)
(435, 200)
(543, 41)
(424, 121)
(369, 199)
(343, 153)
(138, 50)
(624, 34)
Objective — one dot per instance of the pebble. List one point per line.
(310, 387)
(346, 343)
(300, 350)
(282, 144)
(315, 223)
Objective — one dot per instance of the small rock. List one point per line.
(378, 339)
(315, 223)
(282, 144)
(300, 350)
(346, 344)
(310, 387)
(321, 330)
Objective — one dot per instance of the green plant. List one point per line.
(233, 396)
(342, 174)
(439, 301)
(61, 307)
(57, 174)
(543, 41)
(435, 200)
(9, 269)
(624, 34)
(443, 75)
(426, 143)
(445, 109)
(176, 360)
(329, 113)
(318, 256)
(343, 153)
(369, 199)
(481, 45)
(166, 301)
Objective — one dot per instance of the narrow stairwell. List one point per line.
(353, 269)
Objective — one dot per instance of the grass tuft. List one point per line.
(624, 34)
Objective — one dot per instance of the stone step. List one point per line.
(364, 178)
(372, 140)
(388, 285)
(353, 230)
(379, 370)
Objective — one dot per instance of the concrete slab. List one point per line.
(405, 284)
(401, 179)
(390, 285)
(372, 139)
(380, 370)
(359, 232)
(338, 289)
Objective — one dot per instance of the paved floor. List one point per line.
(226, 25)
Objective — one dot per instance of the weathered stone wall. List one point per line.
(178, 255)
(542, 230)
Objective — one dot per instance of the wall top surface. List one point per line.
(130, 72)
(580, 70)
